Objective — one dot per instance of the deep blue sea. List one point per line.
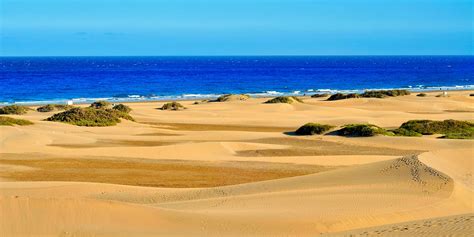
(82, 79)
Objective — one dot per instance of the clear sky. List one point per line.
(236, 27)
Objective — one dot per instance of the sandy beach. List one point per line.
(236, 169)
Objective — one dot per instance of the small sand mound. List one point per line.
(430, 179)
(232, 97)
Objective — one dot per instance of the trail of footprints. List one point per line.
(450, 226)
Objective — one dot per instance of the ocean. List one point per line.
(39, 80)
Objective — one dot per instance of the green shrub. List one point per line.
(52, 107)
(361, 130)
(313, 128)
(122, 108)
(201, 102)
(120, 114)
(429, 127)
(460, 135)
(232, 97)
(90, 117)
(405, 132)
(284, 99)
(14, 109)
(100, 104)
(422, 95)
(320, 95)
(384, 93)
(7, 121)
(340, 96)
(172, 106)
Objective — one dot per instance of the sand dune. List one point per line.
(232, 169)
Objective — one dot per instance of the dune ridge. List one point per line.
(390, 186)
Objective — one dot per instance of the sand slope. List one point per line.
(366, 186)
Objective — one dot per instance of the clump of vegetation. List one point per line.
(232, 97)
(361, 130)
(7, 121)
(14, 109)
(90, 117)
(384, 93)
(405, 132)
(122, 108)
(340, 96)
(101, 104)
(313, 128)
(52, 107)
(422, 95)
(284, 99)
(201, 102)
(472, 94)
(451, 128)
(172, 106)
(320, 95)
(444, 94)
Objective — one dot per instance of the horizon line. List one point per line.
(249, 55)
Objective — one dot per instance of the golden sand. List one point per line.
(236, 169)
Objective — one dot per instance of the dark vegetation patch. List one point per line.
(90, 117)
(284, 99)
(361, 130)
(340, 96)
(313, 128)
(320, 95)
(422, 95)
(172, 106)
(101, 105)
(122, 108)
(7, 121)
(369, 94)
(53, 107)
(384, 93)
(453, 129)
(232, 97)
(14, 109)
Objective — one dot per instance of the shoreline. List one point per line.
(214, 96)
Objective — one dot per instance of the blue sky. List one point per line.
(236, 27)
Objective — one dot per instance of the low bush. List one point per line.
(52, 107)
(201, 102)
(460, 135)
(361, 130)
(384, 93)
(101, 105)
(14, 109)
(429, 127)
(284, 99)
(7, 121)
(340, 96)
(471, 94)
(422, 95)
(172, 106)
(232, 97)
(313, 128)
(320, 95)
(405, 132)
(90, 117)
(122, 108)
